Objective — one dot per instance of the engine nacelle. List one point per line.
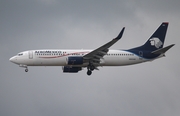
(76, 60)
(67, 69)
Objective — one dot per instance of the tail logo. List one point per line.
(156, 42)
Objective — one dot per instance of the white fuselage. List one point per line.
(55, 57)
(73, 61)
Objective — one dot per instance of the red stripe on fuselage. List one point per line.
(65, 55)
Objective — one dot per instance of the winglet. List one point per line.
(120, 34)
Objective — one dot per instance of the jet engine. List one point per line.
(75, 60)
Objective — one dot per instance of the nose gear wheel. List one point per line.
(26, 70)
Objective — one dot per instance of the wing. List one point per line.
(95, 55)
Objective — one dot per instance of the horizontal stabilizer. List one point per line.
(162, 50)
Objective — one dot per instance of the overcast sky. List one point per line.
(148, 89)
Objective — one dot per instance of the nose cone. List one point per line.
(12, 59)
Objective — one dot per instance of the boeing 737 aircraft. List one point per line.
(73, 61)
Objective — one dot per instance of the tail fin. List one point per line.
(156, 41)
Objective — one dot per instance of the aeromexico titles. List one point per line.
(73, 61)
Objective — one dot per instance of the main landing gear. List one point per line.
(89, 72)
(90, 68)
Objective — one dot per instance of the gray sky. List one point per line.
(148, 89)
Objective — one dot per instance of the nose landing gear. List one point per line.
(24, 66)
(26, 70)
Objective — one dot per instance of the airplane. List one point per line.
(73, 61)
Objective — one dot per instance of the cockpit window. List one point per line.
(20, 54)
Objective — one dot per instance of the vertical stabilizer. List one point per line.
(156, 41)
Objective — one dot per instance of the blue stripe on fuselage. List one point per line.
(143, 54)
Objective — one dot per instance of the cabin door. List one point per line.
(30, 54)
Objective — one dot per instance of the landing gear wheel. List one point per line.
(26, 70)
(89, 72)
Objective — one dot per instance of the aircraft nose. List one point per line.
(12, 59)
